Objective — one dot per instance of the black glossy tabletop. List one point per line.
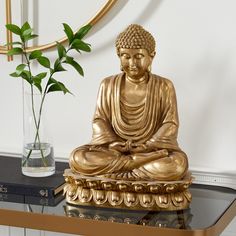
(207, 206)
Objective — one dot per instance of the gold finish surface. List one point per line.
(133, 195)
(135, 125)
(98, 16)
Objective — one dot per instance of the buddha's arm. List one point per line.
(102, 130)
(166, 135)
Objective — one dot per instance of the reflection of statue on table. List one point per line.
(175, 220)
(136, 120)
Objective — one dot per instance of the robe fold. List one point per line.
(153, 121)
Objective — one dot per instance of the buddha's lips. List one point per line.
(133, 69)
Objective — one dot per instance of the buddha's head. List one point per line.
(136, 49)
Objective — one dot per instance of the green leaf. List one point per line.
(69, 59)
(37, 80)
(29, 37)
(83, 31)
(61, 50)
(26, 76)
(13, 43)
(40, 76)
(72, 62)
(14, 29)
(25, 26)
(69, 32)
(27, 32)
(38, 86)
(58, 86)
(35, 54)
(58, 67)
(80, 45)
(15, 51)
(51, 81)
(14, 74)
(20, 68)
(44, 61)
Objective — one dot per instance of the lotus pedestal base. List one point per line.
(133, 195)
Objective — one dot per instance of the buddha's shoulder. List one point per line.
(108, 80)
(163, 81)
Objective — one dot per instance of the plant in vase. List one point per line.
(38, 158)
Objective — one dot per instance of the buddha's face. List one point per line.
(135, 62)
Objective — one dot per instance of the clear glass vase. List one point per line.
(38, 157)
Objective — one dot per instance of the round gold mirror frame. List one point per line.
(98, 16)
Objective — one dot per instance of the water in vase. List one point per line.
(38, 160)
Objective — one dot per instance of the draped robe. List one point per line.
(154, 120)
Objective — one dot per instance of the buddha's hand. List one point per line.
(151, 146)
(138, 148)
(162, 153)
(118, 146)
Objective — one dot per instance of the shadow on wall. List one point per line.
(147, 12)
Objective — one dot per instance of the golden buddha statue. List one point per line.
(135, 124)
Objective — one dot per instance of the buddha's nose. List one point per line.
(133, 62)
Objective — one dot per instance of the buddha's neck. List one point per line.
(143, 79)
(133, 91)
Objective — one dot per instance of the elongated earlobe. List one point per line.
(153, 54)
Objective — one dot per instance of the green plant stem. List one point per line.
(37, 124)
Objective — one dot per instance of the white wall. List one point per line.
(196, 49)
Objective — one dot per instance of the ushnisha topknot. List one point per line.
(135, 37)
